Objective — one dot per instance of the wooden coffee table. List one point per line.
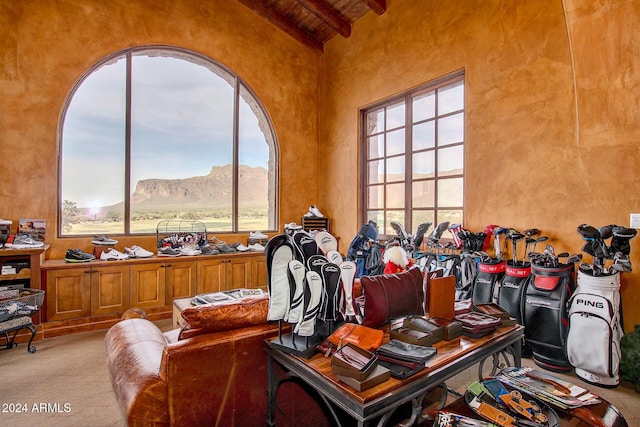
(179, 305)
(379, 402)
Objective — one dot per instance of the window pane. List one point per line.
(396, 216)
(451, 98)
(376, 146)
(451, 160)
(180, 162)
(93, 154)
(256, 186)
(395, 196)
(377, 217)
(424, 165)
(395, 142)
(424, 136)
(375, 121)
(395, 169)
(181, 114)
(450, 193)
(376, 171)
(454, 216)
(451, 129)
(395, 116)
(421, 216)
(423, 194)
(376, 197)
(424, 106)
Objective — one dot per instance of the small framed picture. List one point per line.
(33, 227)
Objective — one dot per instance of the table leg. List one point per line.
(272, 391)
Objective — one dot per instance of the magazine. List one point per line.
(547, 387)
(34, 228)
(451, 419)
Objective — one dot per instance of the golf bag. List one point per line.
(544, 314)
(485, 283)
(595, 329)
(510, 288)
(360, 247)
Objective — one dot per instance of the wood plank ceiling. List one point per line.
(314, 22)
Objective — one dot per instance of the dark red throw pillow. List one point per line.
(390, 296)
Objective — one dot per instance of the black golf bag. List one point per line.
(360, 247)
(485, 283)
(595, 329)
(510, 288)
(545, 317)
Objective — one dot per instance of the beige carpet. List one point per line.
(65, 384)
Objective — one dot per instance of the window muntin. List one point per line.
(188, 140)
(414, 157)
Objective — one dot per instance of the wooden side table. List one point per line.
(179, 305)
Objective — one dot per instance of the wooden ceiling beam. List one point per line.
(329, 15)
(378, 6)
(284, 24)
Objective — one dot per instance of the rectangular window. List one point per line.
(413, 157)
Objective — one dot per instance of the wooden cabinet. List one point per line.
(259, 272)
(96, 293)
(109, 290)
(179, 280)
(216, 275)
(88, 291)
(68, 294)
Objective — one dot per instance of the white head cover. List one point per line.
(326, 242)
(297, 283)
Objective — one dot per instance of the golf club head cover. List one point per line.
(306, 327)
(620, 239)
(418, 236)
(297, 281)
(315, 263)
(278, 253)
(335, 257)
(436, 234)
(589, 232)
(488, 231)
(329, 309)
(305, 245)
(347, 278)
(606, 231)
(459, 235)
(326, 242)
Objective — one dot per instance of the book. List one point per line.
(34, 228)
(547, 387)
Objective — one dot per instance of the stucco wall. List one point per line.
(551, 110)
(45, 46)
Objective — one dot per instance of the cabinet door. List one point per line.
(238, 273)
(109, 290)
(259, 273)
(147, 285)
(211, 276)
(68, 293)
(180, 280)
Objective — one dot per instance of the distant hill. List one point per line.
(209, 191)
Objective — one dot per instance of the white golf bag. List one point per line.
(595, 329)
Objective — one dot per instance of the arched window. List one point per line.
(158, 133)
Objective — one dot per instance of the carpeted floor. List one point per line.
(65, 384)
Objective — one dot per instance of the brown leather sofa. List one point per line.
(201, 377)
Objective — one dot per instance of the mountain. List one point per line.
(209, 191)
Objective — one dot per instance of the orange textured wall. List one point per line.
(551, 110)
(46, 46)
